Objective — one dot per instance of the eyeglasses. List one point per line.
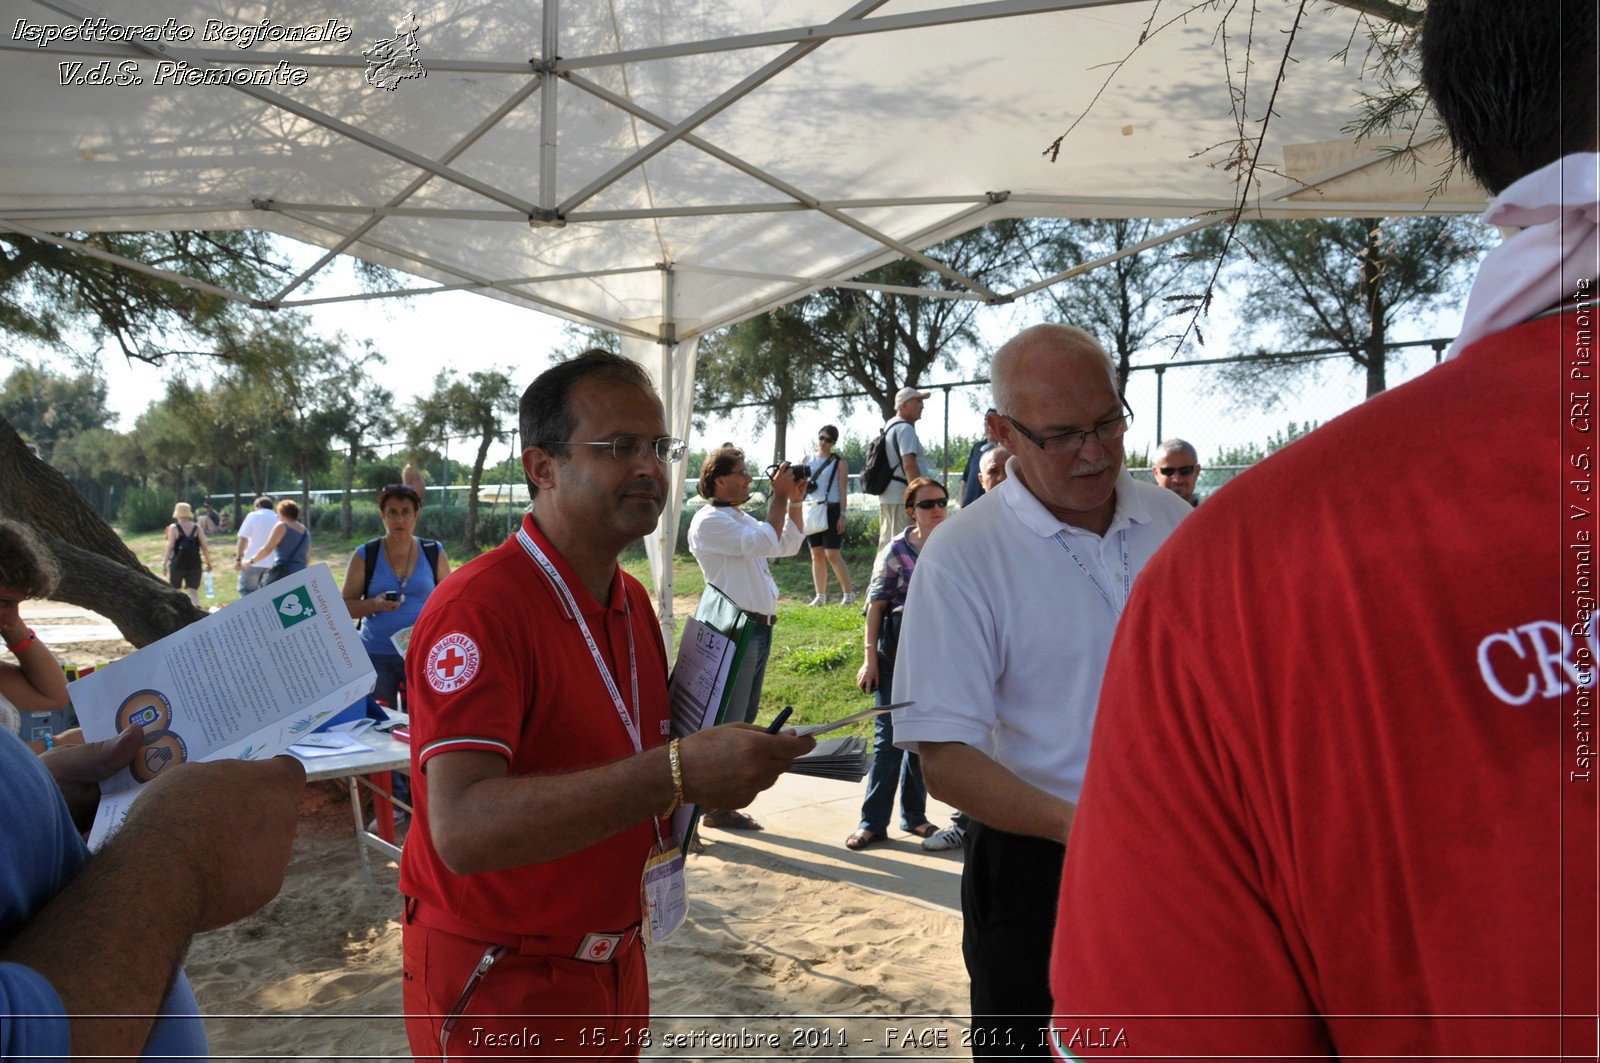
(932, 503)
(629, 447)
(1072, 442)
(1177, 470)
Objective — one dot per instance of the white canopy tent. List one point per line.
(663, 168)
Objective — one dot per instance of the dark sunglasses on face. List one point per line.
(1176, 470)
(930, 503)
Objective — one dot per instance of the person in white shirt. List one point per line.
(905, 451)
(254, 531)
(1006, 633)
(732, 548)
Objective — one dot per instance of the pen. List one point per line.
(782, 718)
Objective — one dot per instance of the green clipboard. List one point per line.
(719, 613)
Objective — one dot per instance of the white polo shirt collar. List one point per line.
(1033, 515)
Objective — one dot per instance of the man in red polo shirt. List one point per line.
(544, 777)
(1349, 811)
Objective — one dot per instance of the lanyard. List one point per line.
(1127, 573)
(628, 723)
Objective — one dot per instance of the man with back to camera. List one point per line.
(1352, 813)
(543, 772)
(1176, 466)
(972, 486)
(1006, 632)
(254, 531)
(905, 451)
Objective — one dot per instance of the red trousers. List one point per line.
(523, 1005)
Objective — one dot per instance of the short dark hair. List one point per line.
(831, 431)
(1512, 82)
(289, 508)
(25, 563)
(263, 502)
(545, 414)
(719, 462)
(405, 491)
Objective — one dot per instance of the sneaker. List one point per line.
(951, 837)
(821, 599)
(848, 599)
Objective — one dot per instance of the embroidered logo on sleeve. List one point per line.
(452, 662)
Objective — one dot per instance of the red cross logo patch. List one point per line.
(452, 662)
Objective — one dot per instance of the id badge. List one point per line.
(664, 891)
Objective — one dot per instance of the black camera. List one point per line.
(797, 470)
(393, 596)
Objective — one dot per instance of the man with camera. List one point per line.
(732, 547)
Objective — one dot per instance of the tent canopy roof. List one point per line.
(665, 167)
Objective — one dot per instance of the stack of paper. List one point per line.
(835, 758)
(244, 683)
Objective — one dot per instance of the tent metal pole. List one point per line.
(894, 289)
(466, 286)
(473, 135)
(106, 256)
(669, 535)
(1142, 245)
(1161, 382)
(787, 189)
(945, 478)
(883, 24)
(709, 110)
(550, 43)
(558, 309)
(311, 114)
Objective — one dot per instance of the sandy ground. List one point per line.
(793, 948)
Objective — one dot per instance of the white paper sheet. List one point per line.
(244, 683)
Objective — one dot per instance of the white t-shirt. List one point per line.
(256, 529)
(1005, 637)
(901, 440)
(732, 548)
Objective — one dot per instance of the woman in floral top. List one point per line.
(928, 505)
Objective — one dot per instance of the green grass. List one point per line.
(815, 652)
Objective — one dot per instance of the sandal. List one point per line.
(923, 830)
(863, 838)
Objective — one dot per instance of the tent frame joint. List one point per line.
(547, 217)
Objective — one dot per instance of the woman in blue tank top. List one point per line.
(388, 599)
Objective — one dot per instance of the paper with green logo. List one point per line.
(246, 683)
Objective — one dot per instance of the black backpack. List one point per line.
(369, 555)
(186, 551)
(879, 470)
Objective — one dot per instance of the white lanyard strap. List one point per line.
(628, 722)
(1127, 573)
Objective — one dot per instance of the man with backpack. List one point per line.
(897, 450)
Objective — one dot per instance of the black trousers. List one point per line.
(1008, 908)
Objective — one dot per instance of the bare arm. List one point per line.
(908, 463)
(355, 574)
(441, 568)
(961, 776)
(205, 547)
(35, 683)
(211, 841)
(482, 818)
(867, 677)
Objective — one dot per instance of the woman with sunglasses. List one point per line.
(927, 504)
(830, 485)
(387, 582)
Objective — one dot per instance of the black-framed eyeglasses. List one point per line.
(1072, 442)
(629, 447)
(1177, 470)
(931, 503)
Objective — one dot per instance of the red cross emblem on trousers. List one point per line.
(452, 662)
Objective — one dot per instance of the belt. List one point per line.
(600, 947)
(762, 618)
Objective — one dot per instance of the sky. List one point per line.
(421, 335)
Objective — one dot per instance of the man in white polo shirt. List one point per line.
(1007, 629)
(254, 531)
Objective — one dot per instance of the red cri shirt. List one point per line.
(497, 664)
(1340, 798)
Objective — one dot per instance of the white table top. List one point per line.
(387, 754)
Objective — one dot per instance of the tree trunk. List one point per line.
(1372, 270)
(98, 571)
(472, 490)
(781, 412)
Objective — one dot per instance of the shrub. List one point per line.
(814, 660)
(145, 510)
